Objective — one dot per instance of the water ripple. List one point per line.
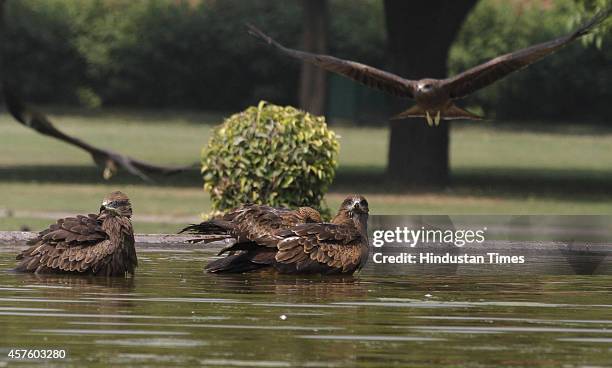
(158, 343)
(506, 329)
(587, 339)
(369, 338)
(67, 331)
(513, 319)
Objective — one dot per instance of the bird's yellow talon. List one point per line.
(109, 170)
(429, 121)
(437, 119)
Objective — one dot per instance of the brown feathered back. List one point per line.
(101, 244)
(252, 222)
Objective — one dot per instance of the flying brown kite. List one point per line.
(290, 241)
(101, 244)
(435, 97)
(108, 160)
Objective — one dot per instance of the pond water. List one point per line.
(172, 313)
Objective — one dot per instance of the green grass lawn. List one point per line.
(496, 168)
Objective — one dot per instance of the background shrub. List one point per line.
(268, 154)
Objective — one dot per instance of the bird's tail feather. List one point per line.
(212, 227)
(214, 230)
(452, 112)
(237, 263)
(414, 112)
(208, 239)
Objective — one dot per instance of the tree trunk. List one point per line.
(419, 36)
(312, 79)
(2, 40)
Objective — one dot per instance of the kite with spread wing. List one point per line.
(290, 241)
(435, 97)
(109, 161)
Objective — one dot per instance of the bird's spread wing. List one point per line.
(367, 75)
(336, 246)
(109, 160)
(485, 74)
(71, 244)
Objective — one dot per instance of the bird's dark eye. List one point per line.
(363, 203)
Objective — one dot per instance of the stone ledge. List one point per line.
(19, 238)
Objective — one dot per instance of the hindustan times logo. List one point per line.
(412, 237)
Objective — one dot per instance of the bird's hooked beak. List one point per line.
(358, 208)
(108, 206)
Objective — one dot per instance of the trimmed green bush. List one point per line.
(268, 154)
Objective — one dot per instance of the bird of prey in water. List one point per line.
(435, 98)
(101, 244)
(290, 241)
(109, 161)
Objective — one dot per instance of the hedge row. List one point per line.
(163, 53)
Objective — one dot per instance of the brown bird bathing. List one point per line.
(290, 241)
(101, 244)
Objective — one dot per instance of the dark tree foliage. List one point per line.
(2, 41)
(171, 54)
(156, 53)
(2, 2)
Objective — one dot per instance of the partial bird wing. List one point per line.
(309, 214)
(336, 246)
(252, 223)
(73, 231)
(257, 223)
(71, 244)
(109, 160)
(485, 74)
(367, 75)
